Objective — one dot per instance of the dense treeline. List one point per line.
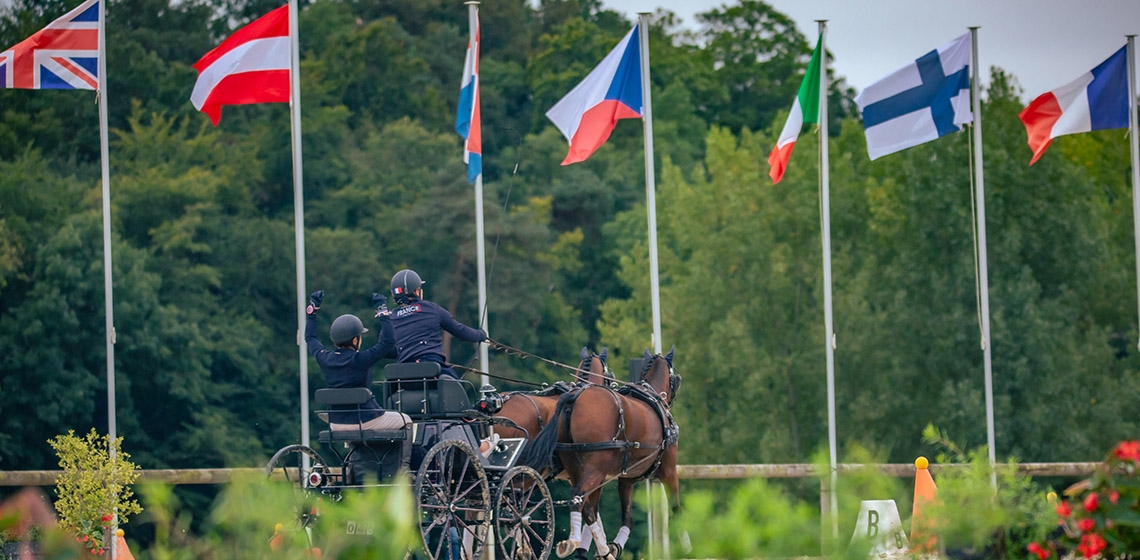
(204, 270)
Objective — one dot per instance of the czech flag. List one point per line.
(251, 66)
(1098, 100)
(467, 121)
(612, 91)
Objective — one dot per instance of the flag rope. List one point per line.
(499, 232)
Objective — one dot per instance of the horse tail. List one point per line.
(539, 452)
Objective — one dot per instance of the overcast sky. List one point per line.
(1044, 43)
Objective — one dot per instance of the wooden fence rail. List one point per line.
(690, 472)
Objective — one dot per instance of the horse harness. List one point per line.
(643, 392)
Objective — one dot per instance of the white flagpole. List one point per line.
(651, 211)
(1134, 147)
(108, 299)
(983, 270)
(480, 235)
(828, 323)
(299, 215)
(650, 180)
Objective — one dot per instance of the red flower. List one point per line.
(1086, 525)
(107, 518)
(85, 538)
(1091, 545)
(1128, 451)
(1039, 551)
(1063, 509)
(1091, 502)
(1114, 497)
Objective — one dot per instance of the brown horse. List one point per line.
(600, 435)
(530, 411)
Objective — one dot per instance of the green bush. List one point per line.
(93, 488)
(256, 519)
(974, 516)
(1103, 515)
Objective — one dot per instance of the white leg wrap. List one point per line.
(587, 540)
(600, 538)
(575, 528)
(622, 536)
(468, 542)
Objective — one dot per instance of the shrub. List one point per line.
(254, 519)
(1102, 515)
(92, 488)
(973, 515)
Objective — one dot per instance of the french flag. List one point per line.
(467, 121)
(612, 91)
(1098, 100)
(251, 66)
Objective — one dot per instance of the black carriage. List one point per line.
(463, 496)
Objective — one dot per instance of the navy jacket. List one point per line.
(345, 367)
(418, 335)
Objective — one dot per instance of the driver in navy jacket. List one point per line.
(349, 366)
(419, 324)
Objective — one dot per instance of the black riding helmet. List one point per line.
(345, 328)
(404, 284)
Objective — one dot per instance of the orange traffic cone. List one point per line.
(121, 550)
(277, 539)
(923, 537)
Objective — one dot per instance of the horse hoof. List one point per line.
(615, 550)
(580, 554)
(565, 548)
(608, 556)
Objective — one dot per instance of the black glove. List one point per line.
(315, 300)
(380, 302)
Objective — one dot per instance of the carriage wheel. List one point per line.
(454, 501)
(287, 463)
(524, 516)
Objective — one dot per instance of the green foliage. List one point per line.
(973, 514)
(251, 513)
(758, 521)
(94, 487)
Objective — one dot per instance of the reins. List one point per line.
(499, 377)
(512, 351)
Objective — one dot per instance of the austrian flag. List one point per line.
(63, 55)
(251, 66)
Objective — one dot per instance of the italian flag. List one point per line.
(804, 110)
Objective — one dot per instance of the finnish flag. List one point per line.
(919, 102)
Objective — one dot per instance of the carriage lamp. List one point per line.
(316, 479)
(490, 401)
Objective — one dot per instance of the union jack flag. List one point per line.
(63, 55)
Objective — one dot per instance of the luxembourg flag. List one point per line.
(251, 66)
(612, 91)
(1098, 100)
(467, 121)
(805, 109)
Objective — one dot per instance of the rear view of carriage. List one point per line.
(466, 497)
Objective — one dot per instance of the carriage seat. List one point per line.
(418, 390)
(352, 396)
